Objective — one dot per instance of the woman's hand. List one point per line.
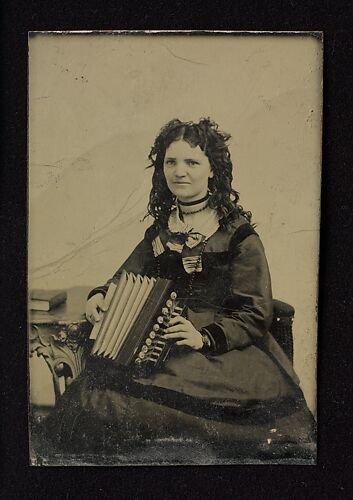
(182, 329)
(94, 306)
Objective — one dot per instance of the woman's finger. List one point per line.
(176, 328)
(176, 320)
(183, 342)
(96, 315)
(89, 318)
(100, 302)
(177, 335)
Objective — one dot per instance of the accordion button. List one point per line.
(138, 361)
(165, 311)
(156, 327)
(160, 320)
(169, 304)
(148, 341)
(152, 335)
(141, 355)
(144, 348)
(173, 295)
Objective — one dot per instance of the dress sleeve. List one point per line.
(140, 261)
(246, 314)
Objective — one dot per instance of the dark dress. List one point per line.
(241, 399)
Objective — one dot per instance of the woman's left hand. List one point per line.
(182, 329)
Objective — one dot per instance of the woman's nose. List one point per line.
(180, 170)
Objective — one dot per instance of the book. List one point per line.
(45, 300)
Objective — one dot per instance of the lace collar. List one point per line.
(183, 236)
(196, 226)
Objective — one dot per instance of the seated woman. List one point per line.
(227, 386)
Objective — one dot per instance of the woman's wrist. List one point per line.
(206, 341)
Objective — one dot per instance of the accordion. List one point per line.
(130, 331)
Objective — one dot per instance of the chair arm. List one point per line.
(281, 327)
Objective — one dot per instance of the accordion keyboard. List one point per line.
(156, 349)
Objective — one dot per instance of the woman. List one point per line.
(226, 380)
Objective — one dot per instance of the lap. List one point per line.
(239, 375)
(103, 412)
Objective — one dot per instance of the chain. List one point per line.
(195, 211)
(158, 268)
(192, 275)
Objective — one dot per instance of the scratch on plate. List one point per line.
(303, 231)
(55, 266)
(183, 58)
(50, 165)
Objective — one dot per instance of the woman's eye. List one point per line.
(170, 162)
(192, 162)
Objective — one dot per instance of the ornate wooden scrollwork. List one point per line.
(63, 347)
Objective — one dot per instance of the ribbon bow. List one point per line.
(179, 239)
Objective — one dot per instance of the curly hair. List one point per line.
(213, 143)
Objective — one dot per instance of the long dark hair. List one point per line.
(213, 143)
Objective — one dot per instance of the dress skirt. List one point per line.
(197, 410)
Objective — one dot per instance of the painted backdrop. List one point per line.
(96, 103)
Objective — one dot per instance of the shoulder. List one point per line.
(245, 243)
(151, 232)
(228, 237)
(240, 230)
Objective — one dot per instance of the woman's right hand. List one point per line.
(94, 306)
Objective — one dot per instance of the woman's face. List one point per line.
(187, 171)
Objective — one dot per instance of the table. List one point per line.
(61, 336)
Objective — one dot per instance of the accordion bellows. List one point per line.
(137, 309)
